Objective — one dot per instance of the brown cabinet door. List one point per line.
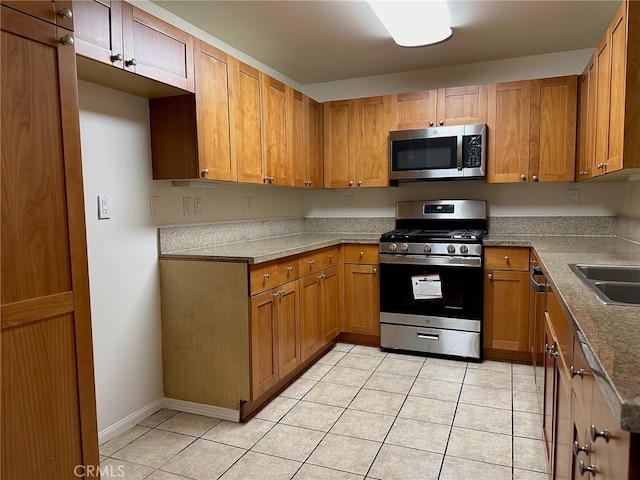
(289, 355)
(564, 423)
(246, 130)
(372, 141)
(339, 144)
(212, 114)
(586, 118)
(98, 30)
(48, 393)
(549, 396)
(553, 129)
(310, 331)
(313, 143)
(156, 50)
(362, 298)
(462, 105)
(618, 50)
(274, 130)
(602, 78)
(414, 110)
(328, 306)
(55, 12)
(508, 123)
(296, 139)
(264, 343)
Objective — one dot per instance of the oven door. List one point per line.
(431, 290)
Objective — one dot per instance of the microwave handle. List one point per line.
(459, 152)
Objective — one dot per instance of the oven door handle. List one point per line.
(428, 336)
(426, 260)
(538, 287)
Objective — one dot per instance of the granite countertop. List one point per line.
(612, 331)
(273, 248)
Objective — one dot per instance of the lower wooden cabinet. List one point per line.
(319, 310)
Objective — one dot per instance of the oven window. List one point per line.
(426, 290)
(424, 154)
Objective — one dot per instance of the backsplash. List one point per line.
(350, 225)
(565, 225)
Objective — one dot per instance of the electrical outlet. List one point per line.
(153, 205)
(187, 206)
(197, 206)
(104, 207)
(574, 197)
(348, 201)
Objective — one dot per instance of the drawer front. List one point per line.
(288, 269)
(582, 380)
(364, 254)
(506, 258)
(317, 260)
(264, 276)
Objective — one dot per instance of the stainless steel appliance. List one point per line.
(431, 279)
(455, 152)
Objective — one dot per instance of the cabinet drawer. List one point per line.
(264, 276)
(288, 269)
(507, 258)
(365, 254)
(317, 260)
(582, 380)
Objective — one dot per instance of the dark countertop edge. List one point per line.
(620, 408)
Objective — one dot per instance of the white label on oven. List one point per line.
(426, 287)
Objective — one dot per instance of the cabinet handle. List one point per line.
(574, 372)
(375, 270)
(431, 124)
(361, 254)
(265, 276)
(276, 294)
(131, 63)
(523, 177)
(351, 183)
(506, 258)
(270, 179)
(583, 469)
(551, 351)
(264, 179)
(534, 178)
(65, 13)
(311, 262)
(289, 269)
(595, 434)
(310, 183)
(441, 122)
(359, 182)
(330, 257)
(577, 448)
(66, 40)
(282, 293)
(117, 57)
(490, 276)
(205, 171)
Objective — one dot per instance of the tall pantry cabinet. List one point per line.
(48, 397)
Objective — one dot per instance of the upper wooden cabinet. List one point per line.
(122, 35)
(59, 12)
(307, 162)
(586, 122)
(446, 106)
(277, 166)
(356, 142)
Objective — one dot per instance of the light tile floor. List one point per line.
(357, 413)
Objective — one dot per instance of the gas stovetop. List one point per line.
(426, 235)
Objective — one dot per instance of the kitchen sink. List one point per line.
(612, 284)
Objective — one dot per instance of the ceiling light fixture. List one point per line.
(414, 23)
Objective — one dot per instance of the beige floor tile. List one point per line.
(442, 371)
(525, 402)
(290, 442)
(343, 347)
(243, 435)
(428, 410)
(312, 415)
(527, 425)
(153, 448)
(400, 463)
(265, 467)
(528, 475)
(102, 458)
(375, 401)
(188, 424)
(399, 367)
(491, 365)
(369, 426)
(113, 468)
(317, 371)
(430, 437)
(158, 417)
(160, 475)
(366, 350)
(125, 438)
(313, 472)
(487, 378)
(455, 468)
(331, 394)
(347, 376)
(276, 409)
(524, 383)
(522, 369)
(299, 388)
(430, 388)
(358, 360)
(405, 356)
(487, 419)
(348, 454)
(486, 396)
(388, 382)
(332, 357)
(480, 446)
(203, 460)
(447, 362)
(528, 454)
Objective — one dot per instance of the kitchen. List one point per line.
(123, 261)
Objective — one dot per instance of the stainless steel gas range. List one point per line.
(431, 281)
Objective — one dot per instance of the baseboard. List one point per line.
(129, 421)
(202, 409)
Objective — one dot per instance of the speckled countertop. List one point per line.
(267, 249)
(612, 331)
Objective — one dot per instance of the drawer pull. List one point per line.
(428, 336)
(361, 254)
(584, 469)
(265, 276)
(311, 262)
(551, 351)
(375, 270)
(289, 269)
(577, 449)
(276, 294)
(330, 257)
(506, 258)
(595, 434)
(574, 372)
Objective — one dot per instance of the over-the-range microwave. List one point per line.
(439, 153)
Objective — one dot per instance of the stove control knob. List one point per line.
(404, 247)
(451, 249)
(464, 249)
(393, 247)
(427, 248)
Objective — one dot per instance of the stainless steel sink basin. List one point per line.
(612, 284)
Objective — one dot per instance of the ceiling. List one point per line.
(319, 41)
